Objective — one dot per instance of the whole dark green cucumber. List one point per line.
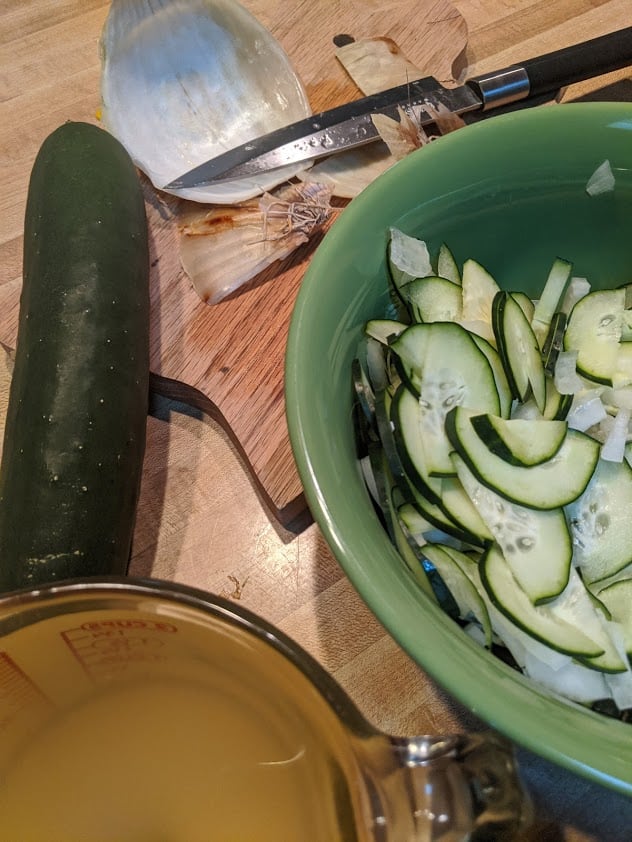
(75, 429)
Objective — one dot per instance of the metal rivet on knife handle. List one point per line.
(502, 87)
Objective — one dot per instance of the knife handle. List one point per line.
(552, 71)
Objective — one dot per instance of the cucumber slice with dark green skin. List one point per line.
(594, 330)
(551, 298)
(537, 621)
(443, 366)
(521, 441)
(384, 330)
(363, 392)
(75, 431)
(601, 524)
(617, 597)
(550, 485)
(536, 544)
(479, 289)
(518, 349)
(505, 397)
(457, 504)
(400, 537)
(579, 607)
(447, 266)
(415, 442)
(383, 401)
(556, 406)
(553, 343)
(525, 303)
(464, 592)
(441, 519)
(433, 299)
(442, 500)
(410, 445)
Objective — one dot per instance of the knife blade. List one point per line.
(351, 125)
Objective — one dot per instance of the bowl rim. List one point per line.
(554, 740)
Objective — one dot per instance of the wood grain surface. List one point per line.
(226, 359)
(201, 520)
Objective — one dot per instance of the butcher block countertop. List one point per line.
(221, 505)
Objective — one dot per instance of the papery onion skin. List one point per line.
(185, 80)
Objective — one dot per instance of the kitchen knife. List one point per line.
(351, 125)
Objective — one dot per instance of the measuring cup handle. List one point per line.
(464, 787)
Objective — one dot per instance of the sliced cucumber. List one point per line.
(525, 303)
(594, 330)
(405, 545)
(442, 500)
(458, 505)
(383, 402)
(617, 598)
(553, 343)
(419, 429)
(518, 349)
(421, 531)
(443, 361)
(378, 370)
(363, 390)
(505, 397)
(536, 620)
(384, 330)
(412, 445)
(601, 522)
(556, 405)
(464, 592)
(447, 266)
(552, 484)
(576, 605)
(520, 441)
(551, 298)
(433, 299)
(536, 544)
(479, 289)
(444, 368)
(441, 520)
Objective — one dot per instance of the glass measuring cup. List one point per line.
(140, 710)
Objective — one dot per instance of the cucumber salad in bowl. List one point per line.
(495, 438)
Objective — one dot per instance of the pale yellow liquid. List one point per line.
(180, 755)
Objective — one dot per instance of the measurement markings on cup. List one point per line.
(18, 693)
(105, 648)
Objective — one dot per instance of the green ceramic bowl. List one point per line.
(509, 191)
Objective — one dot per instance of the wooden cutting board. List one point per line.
(226, 360)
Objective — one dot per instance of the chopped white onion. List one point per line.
(571, 680)
(409, 254)
(613, 449)
(565, 377)
(577, 288)
(477, 634)
(369, 478)
(618, 398)
(620, 686)
(527, 410)
(601, 181)
(587, 410)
